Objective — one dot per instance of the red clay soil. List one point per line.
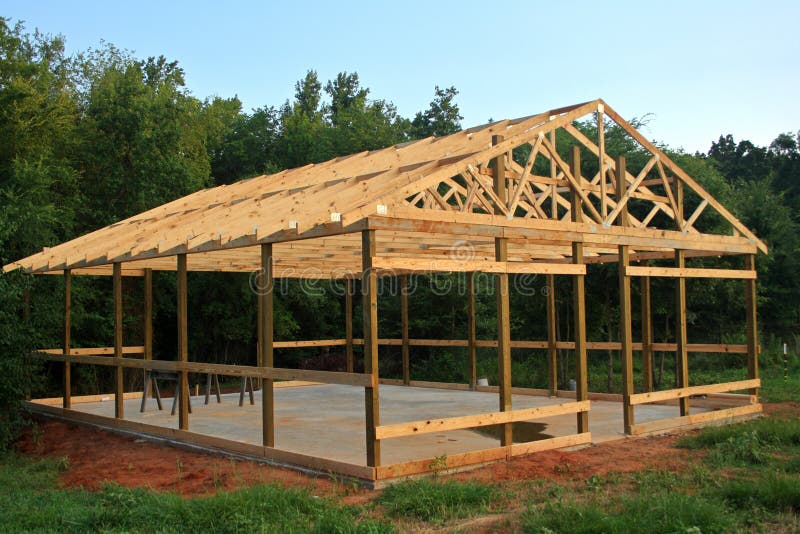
(96, 456)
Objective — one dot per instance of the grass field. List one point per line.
(743, 477)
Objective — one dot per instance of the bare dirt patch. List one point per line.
(97, 457)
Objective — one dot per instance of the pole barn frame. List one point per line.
(400, 211)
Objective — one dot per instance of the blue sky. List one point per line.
(702, 68)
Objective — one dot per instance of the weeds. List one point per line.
(437, 501)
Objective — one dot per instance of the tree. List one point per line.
(441, 118)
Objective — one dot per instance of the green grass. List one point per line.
(29, 503)
(776, 493)
(437, 501)
(668, 512)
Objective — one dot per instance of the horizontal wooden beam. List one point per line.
(655, 396)
(443, 265)
(688, 420)
(454, 461)
(472, 421)
(275, 373)
(685, 272)
(96, 351)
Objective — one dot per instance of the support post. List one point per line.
(183, 344)
(601, 154)
(404, 321)
(647, 334)
(625, 326)
(148, 322)
(267, 332)
(67, 403)
(552, 336)
(472, 348)
(369, 282)
(579, 299)
(752, 321)
(348, 323)
(682, 353)
(503, 309)
(119, 396)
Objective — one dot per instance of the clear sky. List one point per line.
(702, 68)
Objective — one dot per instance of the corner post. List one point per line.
(119, 395)
(183, 344)
(404, 321)
(751, 297)
(348, 323)
(265, 344)
(503, 310)
(579, 299)
(472, 349)
(369, 282)
(552, 336)
(67, 402)
(625, 327)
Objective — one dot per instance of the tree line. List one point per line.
(91, 138)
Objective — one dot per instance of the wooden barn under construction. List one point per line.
(396, 212)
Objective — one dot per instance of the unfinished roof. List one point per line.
(429, 199)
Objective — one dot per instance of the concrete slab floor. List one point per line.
(327, 421)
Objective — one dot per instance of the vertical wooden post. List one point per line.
(601, 143)
(752, 321)
(119, 394)
(348, 323)
(404, 321)
(579, 299)
(148, 314)
(472, 348)
(369, 282)
(503, 309)
(67, 403)
(183, 344)
(267, 331)
(681, 354)
(625, 326)
(552, 336)
(647, 334)
(553, 175)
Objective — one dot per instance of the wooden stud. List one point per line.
(601, 144)
(267, 330)
(503, 309)
(348, 323)
(183, 344)
(472, 349)
(579, 300)
(625, 326)
(119, 393)
(148, 314)
(552, 336)
(751, 298)
(404, 328)
(647, 334)
(369, 283)
(681, 354)
(67, 379)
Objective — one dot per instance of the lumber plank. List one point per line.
(473, 421)
(705, 417)
(669, 394)
(685, 272)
